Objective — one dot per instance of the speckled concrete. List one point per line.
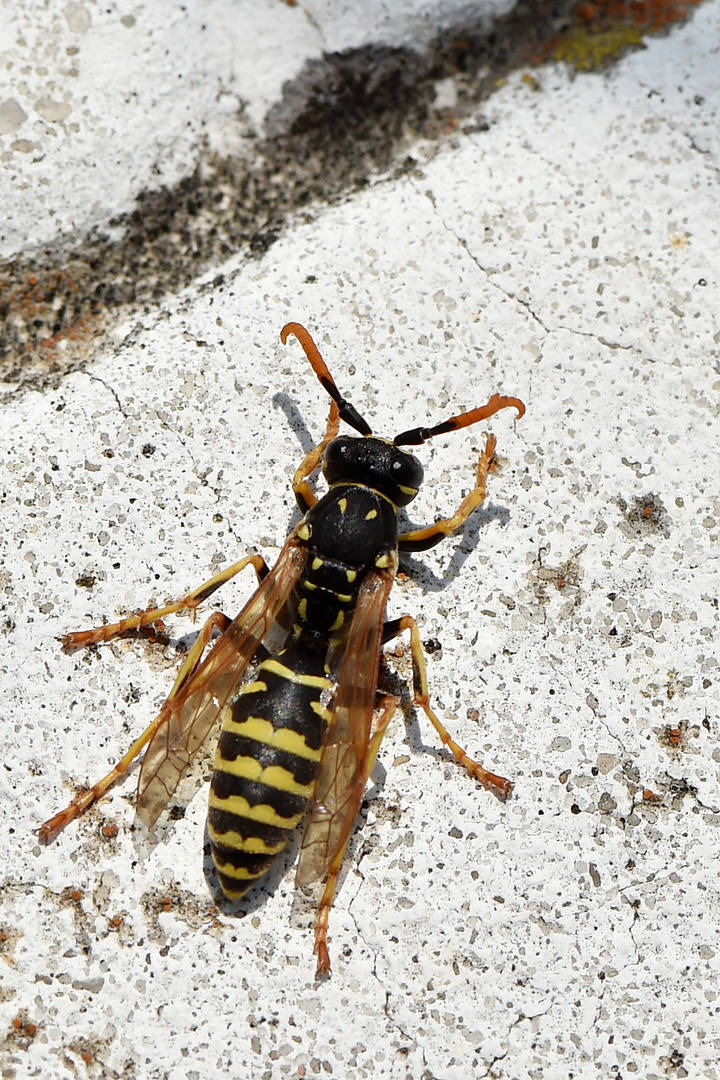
(569, 255)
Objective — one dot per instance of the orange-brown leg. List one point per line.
(422, 539)
(387, 706)
(190, 602)
(497, 784)
(303, 492)
(49, 830)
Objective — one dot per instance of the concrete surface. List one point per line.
(565, 250)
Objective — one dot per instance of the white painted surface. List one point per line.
(542, 941)
(99, 102)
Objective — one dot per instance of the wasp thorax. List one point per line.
(375, 462)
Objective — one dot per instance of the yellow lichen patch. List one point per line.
(587, 49)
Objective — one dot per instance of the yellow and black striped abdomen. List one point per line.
(265, 765)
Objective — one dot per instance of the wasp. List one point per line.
(299, 738)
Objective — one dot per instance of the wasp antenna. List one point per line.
(348, 412)
(418, 435)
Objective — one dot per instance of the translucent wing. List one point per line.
(186, 718)
(346, 760)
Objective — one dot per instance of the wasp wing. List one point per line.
(346, 761)
(186, 718)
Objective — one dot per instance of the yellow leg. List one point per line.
(303, 493)
(387, 706)
(422, 539)
(81, 802)
(497, 784)
(189, 602)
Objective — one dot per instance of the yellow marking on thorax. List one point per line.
(293, 676)
(267, 815)
(342, 503)
(262, 731)
(254, 845)
(351, 575)
(257, 687)
(309, 585)
(302, 609)
(339, 620)
(366, 487)
(304, 531)
(382, 562)
(317, 563)
(370, 515)
(274, 776)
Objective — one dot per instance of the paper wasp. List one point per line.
(302, 736)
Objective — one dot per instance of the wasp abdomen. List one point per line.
(265, 766)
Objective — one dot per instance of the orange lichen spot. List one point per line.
(17, 1023)
(76, 894)
(109, 832)
(116, 922)
(646, 14)
(608, 28)
(650, 796)
(166, 903)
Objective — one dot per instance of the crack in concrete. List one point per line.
(548, 331)
(111, 390)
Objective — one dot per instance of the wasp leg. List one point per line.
(189, 602)
(303, 493)
(497, 784)
(49, 829)
(422, 539)
(387, 705)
